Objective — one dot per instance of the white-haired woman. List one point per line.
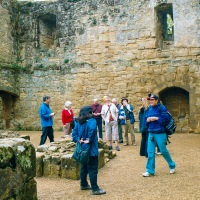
(67, 118)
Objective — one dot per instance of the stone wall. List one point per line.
(78, 50)
(17, 169)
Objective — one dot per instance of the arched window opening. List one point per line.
(46, 31)
(164, 26)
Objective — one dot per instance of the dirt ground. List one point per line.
(121, 177)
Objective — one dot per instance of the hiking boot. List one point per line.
(147, 174)
(88, 187)
(134, 144)
(117, 148)
(125, 144)
(98, 192)
(120, 141)
(172, 171)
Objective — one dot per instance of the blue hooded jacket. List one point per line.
(87, 130)
(161, 112)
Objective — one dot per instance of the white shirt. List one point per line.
(106, 112)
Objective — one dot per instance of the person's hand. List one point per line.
(151, 119)
(148, 119)
(81, 140)
(121, 117)
(52, 114)
(154, 118)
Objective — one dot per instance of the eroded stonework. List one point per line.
(78, 50)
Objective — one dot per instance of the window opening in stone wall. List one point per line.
(177, 101)
(164, 26)
(46, 31)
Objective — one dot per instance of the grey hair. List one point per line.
(114, 100)
(68, 104)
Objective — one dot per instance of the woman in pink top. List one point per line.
(67, 117)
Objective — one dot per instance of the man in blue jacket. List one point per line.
(46, 116)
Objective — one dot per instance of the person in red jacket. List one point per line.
(67, 118)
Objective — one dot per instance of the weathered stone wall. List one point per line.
(17, 169)
(8, 31)
(105, 47)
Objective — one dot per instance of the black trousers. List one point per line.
(47, 132)
(92, 169)
(144, 142)
(99, 126)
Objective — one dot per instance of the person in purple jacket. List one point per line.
(96, 111)
(85, 131)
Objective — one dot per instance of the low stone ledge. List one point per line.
(55, 159)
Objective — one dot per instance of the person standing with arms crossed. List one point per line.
(46, 116)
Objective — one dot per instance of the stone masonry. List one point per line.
(17, 169)
(78, 50)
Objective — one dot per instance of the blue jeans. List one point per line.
(160, 140)
(92, 169)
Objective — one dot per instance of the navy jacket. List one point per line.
(161, 112)
(142, 119)
(87, 130)
(44, 112)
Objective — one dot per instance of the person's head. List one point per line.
(96, 101)
(124, 101)
(154, 100)
(106, 99)
(68, 104)
(85, 114)
(114, 101)
(46, 99)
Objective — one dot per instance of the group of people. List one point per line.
(117, 119)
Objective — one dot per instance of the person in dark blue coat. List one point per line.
(85, 131)
(157, 117)
(46, 116)
(143, 127)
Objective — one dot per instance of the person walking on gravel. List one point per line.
(157, 116)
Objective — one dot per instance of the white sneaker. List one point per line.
(147, 174)
(172, 171)
(158, 153)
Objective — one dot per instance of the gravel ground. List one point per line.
(121, 177)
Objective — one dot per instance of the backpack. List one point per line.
(170, 128)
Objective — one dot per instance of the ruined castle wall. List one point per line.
(6, 40)
(80, 50)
